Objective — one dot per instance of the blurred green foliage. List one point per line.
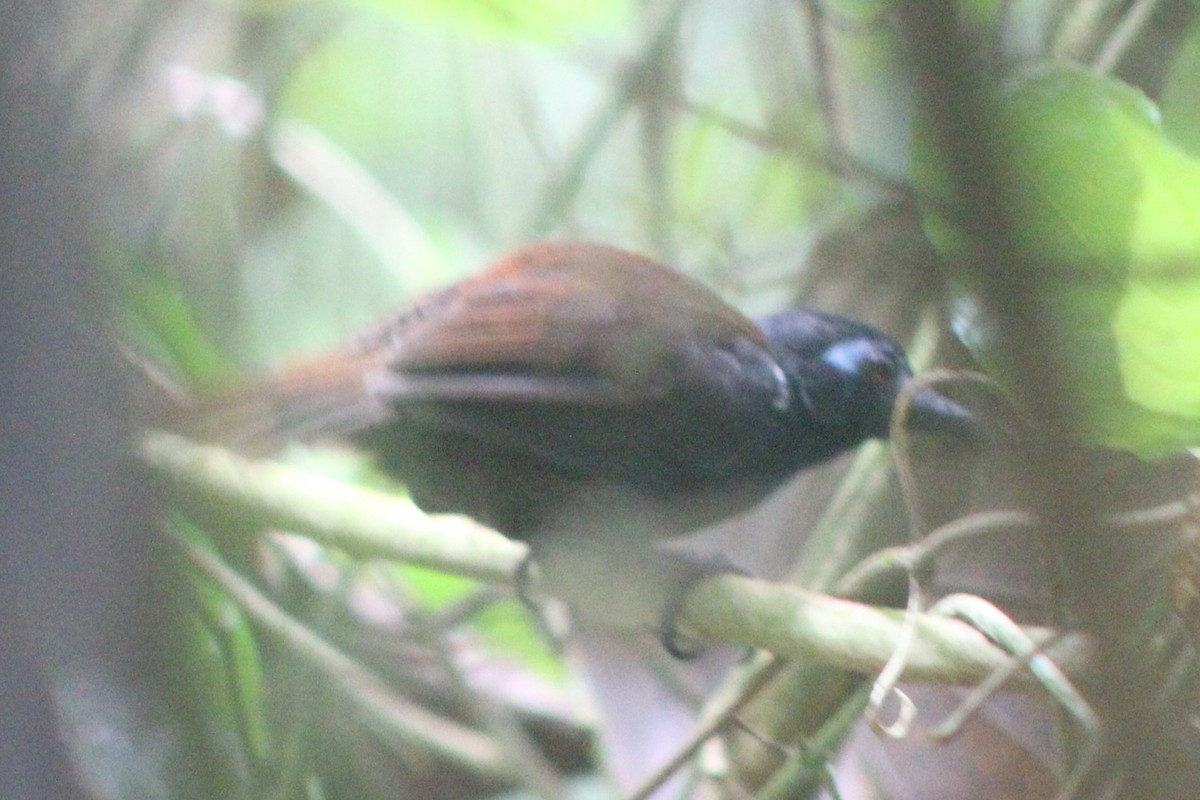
(219, 654)
(1108, 208)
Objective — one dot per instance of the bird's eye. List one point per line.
(880, 373)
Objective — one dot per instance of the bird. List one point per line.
(582, 397)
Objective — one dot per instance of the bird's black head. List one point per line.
(849, 376)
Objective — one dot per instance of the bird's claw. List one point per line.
(677, 644)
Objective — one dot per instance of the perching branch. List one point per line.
(728, 609)
(360, 521)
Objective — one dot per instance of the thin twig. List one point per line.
(794, 775)
(382, 709)
(561, 191)
(837, 163)
(916, 555)
(1002, 630)
(531, 766)
(1079, 28)
(1122, 36)
(721, 709)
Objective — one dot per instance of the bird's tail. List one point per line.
(325, 399)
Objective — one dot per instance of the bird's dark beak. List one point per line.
(934, 413)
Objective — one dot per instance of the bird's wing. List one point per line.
(569, 323)
(554, 324)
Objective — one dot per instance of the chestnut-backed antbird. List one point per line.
(578, 393)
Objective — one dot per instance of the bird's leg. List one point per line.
(552, 624)
(696, 569)
(607, 555)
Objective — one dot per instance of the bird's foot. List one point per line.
(549, 618)
(701, 568)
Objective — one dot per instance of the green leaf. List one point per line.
(160, 323)
(221, 657)
(1108, 209)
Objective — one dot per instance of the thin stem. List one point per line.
(389, 714)
(720, 711)
(1122, 36)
